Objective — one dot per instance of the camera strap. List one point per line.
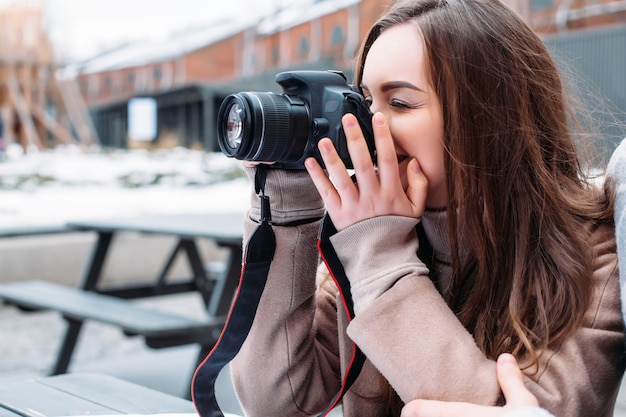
(255, 268)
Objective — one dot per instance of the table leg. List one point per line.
(222, 295)
(89, 282)
(96, 261)
(67, 346)
(161, 280)
(202, 281)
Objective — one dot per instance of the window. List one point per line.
(303, 46)
(337, 36)
(107, 83)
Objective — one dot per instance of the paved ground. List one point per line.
(28, 345)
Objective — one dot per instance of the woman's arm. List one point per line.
(418, 344)
(408, 331)
(288, 365)
(519, 401)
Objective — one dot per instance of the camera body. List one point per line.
(285, 128)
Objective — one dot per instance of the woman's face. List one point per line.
(395, 82)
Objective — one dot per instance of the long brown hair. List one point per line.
(518, 192)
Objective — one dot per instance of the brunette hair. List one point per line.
(518, 193)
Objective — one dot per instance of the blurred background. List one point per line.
(109, 107)
(69, 70)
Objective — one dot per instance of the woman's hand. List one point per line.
(377, 192)
(511, 382)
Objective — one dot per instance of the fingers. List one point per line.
(359, 152)
(378, 191)
(511, 382)
(430, 408)
(337, 170)
(417, 187)
(386, 157)
(388, 168)
(341, 195)
(322, 183)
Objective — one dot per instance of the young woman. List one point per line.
(477, 234)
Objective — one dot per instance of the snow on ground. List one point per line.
(66, 183)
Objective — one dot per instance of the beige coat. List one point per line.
(291, 363)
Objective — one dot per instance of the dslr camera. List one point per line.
(285, 128)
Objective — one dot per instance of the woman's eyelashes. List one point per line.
(400, 104)
(394, 103)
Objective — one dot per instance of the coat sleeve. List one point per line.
(414, 339)
(289, 363)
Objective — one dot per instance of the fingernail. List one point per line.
(309, 163)
(507, 359)
(349, 120)
(379, 119)
(415, 166)
(325, 147)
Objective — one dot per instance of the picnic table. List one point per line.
(33, 230)
(91, 300)
(84, 394)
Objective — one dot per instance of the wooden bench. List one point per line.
(159, 329)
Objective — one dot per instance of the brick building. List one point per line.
(328, 31)
(194, 71)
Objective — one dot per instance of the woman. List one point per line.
(515, 254)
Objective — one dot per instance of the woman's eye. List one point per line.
(368, 100)
(399, 104)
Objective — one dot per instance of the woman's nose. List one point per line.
(374, 107)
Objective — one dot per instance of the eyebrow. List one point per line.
(394, 85)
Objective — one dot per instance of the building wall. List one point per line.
(328, 42)
(308, 42)
(114, 85)
(297, 45)
(215, 62)
(269, 49)
(334, 37)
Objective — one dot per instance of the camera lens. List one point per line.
(234, 126)
(263, 127)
